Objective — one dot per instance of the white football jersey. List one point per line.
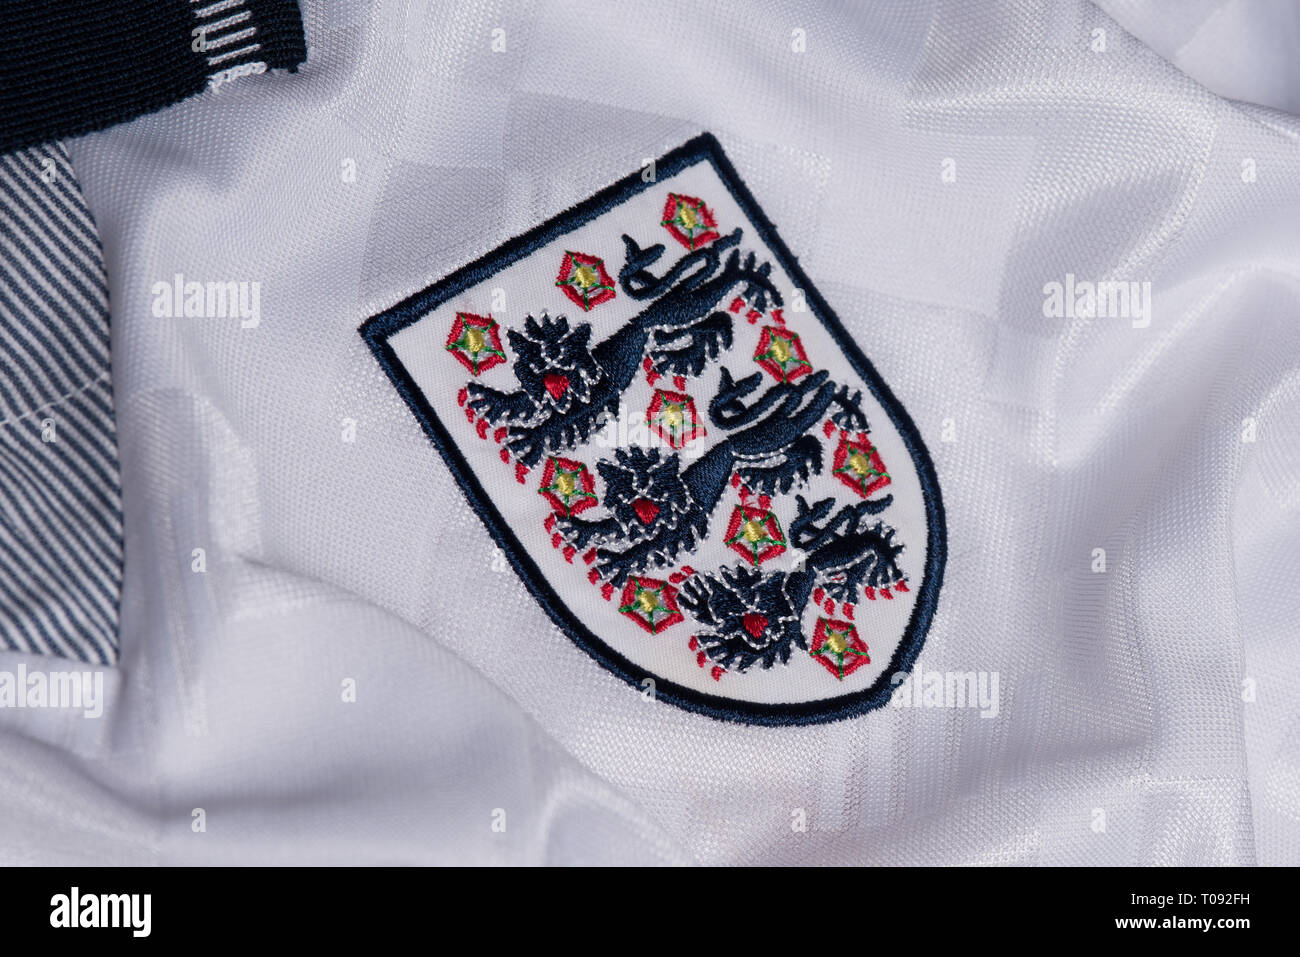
(714, 433)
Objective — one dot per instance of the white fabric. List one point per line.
(1122, 690)
(1241, 49)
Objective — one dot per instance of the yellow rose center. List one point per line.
(673, 416)
(860, 464)
(781, 350)
(754, 531)
(648, 601)
(835, 642)
(475, 339)
(585, 276)
(565, 484)
(689, 217)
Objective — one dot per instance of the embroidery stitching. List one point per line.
(673, 418)
(475, 342)
(837, 642)
(689, 221)
(755, 533)
(644, 598)
(650, 507)
(781, 353)
(584, 280)
(568, 486)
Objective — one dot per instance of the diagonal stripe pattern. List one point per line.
(60, 490)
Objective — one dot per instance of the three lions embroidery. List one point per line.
(687, 458)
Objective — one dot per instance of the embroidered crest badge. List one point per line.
(692, 466)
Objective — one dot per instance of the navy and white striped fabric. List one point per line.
(60, 491)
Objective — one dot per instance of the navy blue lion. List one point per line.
(557, 374)
(567, 388)
(657, 510)
(748, 617)
(751, 617)
(766, 443)
(652, 510)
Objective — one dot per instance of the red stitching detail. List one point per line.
(475, 342)
(851, 654)
(857, 463)
(584, 280)
(674, 418)
(660, 611)
(689, 220)
(781, 354)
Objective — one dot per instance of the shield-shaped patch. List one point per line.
(693, 467)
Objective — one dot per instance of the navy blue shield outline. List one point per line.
(764, 520)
